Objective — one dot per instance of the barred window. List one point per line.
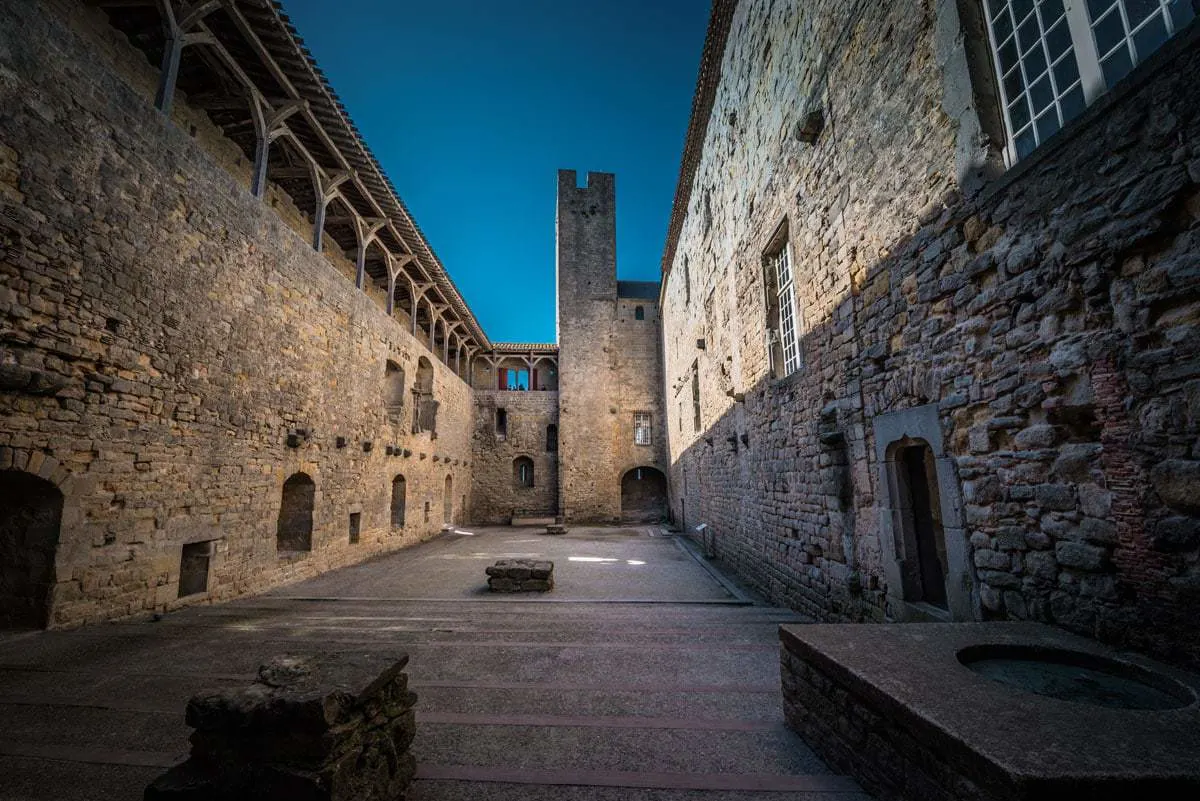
(641, 428)
(786, 327)
(1053, 58)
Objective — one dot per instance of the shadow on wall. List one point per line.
(1054, 341)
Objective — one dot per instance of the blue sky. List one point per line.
(471, 106)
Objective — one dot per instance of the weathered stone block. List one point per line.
(521, 575)
(1095, 501)
(322, 728)
(1177, 482)
(1081, 556)
(1177, 534)
(1059, 497)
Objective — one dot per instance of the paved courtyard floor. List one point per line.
(644, 676)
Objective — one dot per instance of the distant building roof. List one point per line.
(524, 347)
(642, 290)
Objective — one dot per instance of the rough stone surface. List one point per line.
(183, 349)
(497, 494)
(609, 361)
(334, 727)
(1046, 313)
(521, 575)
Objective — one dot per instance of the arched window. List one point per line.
(30, 514)
(639, 313)
(294, 532)
(448, 501)
(523, 471)
(501, 423)
(551, 438)
(393, 389)
(399, 501)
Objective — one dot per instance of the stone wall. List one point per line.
(179, 349)
(609, 363)
(1049, 316)
(496, 494)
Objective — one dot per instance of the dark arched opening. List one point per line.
(551, 438)
(399, 501)
(294, 532)
(639, 313)
(643, 495)
(523, 471)
(448, 501)
(30, 518)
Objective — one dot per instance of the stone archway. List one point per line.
(30, 520)
(643, 495)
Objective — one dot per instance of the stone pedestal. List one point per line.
(521, 575)
(309, 729)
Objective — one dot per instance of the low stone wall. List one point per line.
(330, 727)
(886, 758)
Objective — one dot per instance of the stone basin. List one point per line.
(1000, 711)
(1076, 676)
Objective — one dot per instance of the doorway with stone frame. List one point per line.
(926, 556)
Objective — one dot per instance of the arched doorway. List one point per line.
(643, 496)
(448, 501)
(399, 501)
(294, 532)
(30, 518)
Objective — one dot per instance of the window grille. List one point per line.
(1053, 58)
(641, 428)
(785, 292)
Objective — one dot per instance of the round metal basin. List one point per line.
(1076, 676)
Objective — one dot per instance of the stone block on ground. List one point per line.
(556, 528)
(521, 575)
(330, 728)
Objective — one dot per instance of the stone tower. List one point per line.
(610, 365)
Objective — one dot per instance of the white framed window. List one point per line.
(785, 296)
(641, 428)
(1053, 58)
